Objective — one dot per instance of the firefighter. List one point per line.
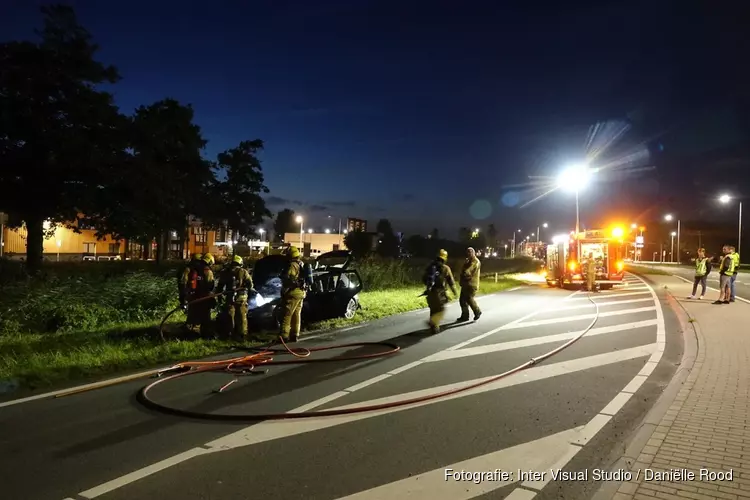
(235, 282)
(736, 263)
(591, 273)
(183, 279)
(292, 296)
(201, 287)
(438, 276)
(470, 274)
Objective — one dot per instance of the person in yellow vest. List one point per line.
(470, 274)
(203, 302)
(591, 273)
(237, 278)
(726, 270)
(292, 296)
(438, 278)
(736, 261)
(702, 270)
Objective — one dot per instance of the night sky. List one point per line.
(427, 113)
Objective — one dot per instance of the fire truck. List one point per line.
(567, 256)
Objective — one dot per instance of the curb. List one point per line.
(692, 343)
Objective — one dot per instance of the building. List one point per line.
(315, 244)
(356, 225)
(66, 244)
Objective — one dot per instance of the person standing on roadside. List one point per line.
(736, 262)
(292, 296)
(469, 280)
(702, 270)
(726, 270)
(591, 273)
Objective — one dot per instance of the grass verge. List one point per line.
(32, 360)
(645, 270)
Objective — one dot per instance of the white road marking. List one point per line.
(269, 430)
(438, 485)
(612, 295)
(519, 344)
(552, 321)
(600, 304)
(521, 494)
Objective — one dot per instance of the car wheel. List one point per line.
(351, 308)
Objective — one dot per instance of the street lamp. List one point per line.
(300, 221)
(575, 178)
(672, 251)
(725, 198)
(310, 231)
(328, 231)
(670, 218)
(539, 233)
(513, 250)
(505, 253)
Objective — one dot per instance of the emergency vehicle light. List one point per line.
(620, 265)
(572, 265)
(617, 232)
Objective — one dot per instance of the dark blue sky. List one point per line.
(415, 110)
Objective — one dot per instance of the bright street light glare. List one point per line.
(310, 231)
(298, 219)
(668, 217)
(574, 178)
(725, 198)
(545, 225)
(476, 230)
(633, 226)
(674, 233)
(328, 231)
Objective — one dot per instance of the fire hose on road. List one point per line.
(245, 365)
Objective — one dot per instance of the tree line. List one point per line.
(67, 151)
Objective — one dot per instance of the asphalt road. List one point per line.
(742, 285)
(570, 411)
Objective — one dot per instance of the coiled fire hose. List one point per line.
(244, 366)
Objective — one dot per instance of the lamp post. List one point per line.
(539, 233)
(575, 178)
(669, 218)
(301, 222)
(671, 254)
(513, 250)
(725, 198)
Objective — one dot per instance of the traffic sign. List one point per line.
(639, 240)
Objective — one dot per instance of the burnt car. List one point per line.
(333, 293)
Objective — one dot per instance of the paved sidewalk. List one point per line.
(706, 426)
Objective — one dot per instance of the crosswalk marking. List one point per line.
(519, 344)
(551, 321)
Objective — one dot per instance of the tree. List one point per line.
(359, 243)
(234, 194)
(388, 244)
(283, 224)
(166, 180)
(59, 135)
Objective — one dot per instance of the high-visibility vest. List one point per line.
(700, 266)
(735, 261)
(730, 266)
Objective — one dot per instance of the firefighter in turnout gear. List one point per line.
(201, 285)
(437, 278)
(183, 280)
(469, 280)
(591, 273)
(235, 282)
(292, 296)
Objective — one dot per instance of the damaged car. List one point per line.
(334, 292)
